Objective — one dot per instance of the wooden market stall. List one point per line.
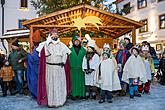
(113, 25)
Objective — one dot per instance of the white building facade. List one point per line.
(152, 14)
(15, 12)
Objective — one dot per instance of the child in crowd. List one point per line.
(150, 68)
(162, 69)
(7, 75)
(134, 71)
(107, 78)
(90, 64)
(121, 58)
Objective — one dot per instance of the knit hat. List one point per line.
(106, 54)
(15, 43)
(76, 37)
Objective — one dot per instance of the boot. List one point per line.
(138, 94)
(101, 101)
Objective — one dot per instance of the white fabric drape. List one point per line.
(134, 68)
(94, 64)
(109, 79)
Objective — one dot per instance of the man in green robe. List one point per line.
(77, 75)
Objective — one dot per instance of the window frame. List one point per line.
(23, 3)
(144, 25)
(161, 20)
(20, 26)
(139, 5)
(129, 6)
(160, 1)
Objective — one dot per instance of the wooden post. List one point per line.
(80, 33)
(134, 35)
(111, 42)
(30, 38)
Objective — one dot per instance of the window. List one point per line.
(145, 27)
(162, 21)
(24, 4)
(126, 8)
(20, 26)
(142, 4)
(160, 0)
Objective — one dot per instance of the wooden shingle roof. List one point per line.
(113, 25)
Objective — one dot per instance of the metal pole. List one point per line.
(3, 15)
(2, 4)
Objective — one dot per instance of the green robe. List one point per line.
(77, 75)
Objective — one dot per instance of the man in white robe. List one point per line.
(56, 56)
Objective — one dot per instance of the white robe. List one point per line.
(94, 64)
(55, 75)
(134, 68)
(109, 77)
(148, 69)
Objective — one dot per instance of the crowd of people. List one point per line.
(55, 72)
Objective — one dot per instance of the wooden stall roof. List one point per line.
(113, 25)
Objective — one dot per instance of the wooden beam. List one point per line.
(122, 33)
(71, 26)
(31, 40)
(134, 35)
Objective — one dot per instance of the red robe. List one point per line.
(42, 95)
(68, 77)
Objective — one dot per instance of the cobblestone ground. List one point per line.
(154, 101)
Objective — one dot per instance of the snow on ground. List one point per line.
(154, 101)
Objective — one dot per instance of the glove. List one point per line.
(48, 40)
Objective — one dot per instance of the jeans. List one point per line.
(133, 87)
(19, 74)
(105, 93)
